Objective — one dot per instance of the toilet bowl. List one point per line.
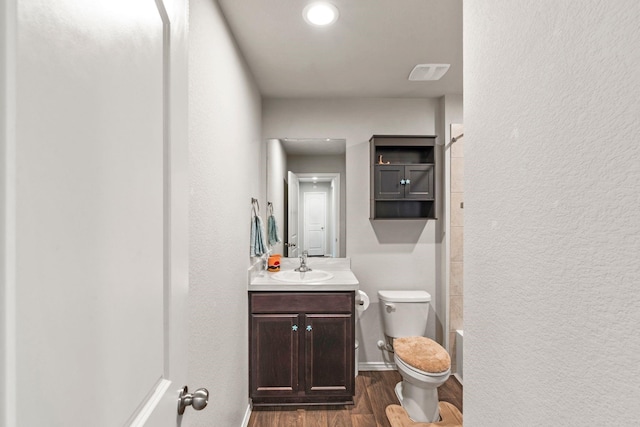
(418, 390)
(423, 364)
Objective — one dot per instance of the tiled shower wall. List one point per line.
(456, 241)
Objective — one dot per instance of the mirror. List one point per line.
(306, 186)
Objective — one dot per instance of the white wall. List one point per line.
(385, 255)
(226, 171)
(277, 166)
(552, 222)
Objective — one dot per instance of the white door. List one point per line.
(94, 204)
(315, 222)
(292, 212)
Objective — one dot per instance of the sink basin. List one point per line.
(312, 276)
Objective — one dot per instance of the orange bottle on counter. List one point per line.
(273, 263)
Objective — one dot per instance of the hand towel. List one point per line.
(272, 230)
(258, 246)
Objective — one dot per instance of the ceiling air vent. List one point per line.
(422, 72)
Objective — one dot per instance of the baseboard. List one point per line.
(247, 415)
(376, 366)
(458, 378)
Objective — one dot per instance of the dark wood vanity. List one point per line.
(301, 348)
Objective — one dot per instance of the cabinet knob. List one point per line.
(403, 182)
(294, 328)
(309, 328)
(407, 181)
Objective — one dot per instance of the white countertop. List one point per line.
(343, 278)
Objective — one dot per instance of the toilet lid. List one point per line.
(422, 353)
(404, 296)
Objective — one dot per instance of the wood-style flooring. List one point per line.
(374, 392)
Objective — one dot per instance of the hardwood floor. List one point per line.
(374, 392)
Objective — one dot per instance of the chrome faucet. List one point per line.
(303, 263)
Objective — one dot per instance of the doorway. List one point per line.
(318, 219)
(315, 222)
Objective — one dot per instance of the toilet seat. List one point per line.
(415, 374)
(422, 355)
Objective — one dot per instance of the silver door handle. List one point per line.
(198, 400)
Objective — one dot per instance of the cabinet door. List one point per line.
(419, 180)
(329, 353)
(387, 182)
(274, 354)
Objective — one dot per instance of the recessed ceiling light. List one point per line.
(320, 14)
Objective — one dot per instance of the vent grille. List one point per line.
(424, 72)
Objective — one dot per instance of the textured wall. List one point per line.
(552, 224)
(226, 171)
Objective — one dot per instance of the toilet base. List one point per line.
(420, 403)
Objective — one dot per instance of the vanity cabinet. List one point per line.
(301, 348)
(403, 177)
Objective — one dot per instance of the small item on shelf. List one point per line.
(380, 162)
(273, 263)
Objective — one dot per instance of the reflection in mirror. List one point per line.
(306, 184)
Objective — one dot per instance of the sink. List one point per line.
(312, 276)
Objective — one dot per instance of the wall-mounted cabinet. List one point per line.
(403, 177)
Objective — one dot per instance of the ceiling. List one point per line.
(368, 52)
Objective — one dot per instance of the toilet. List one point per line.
(423, 364)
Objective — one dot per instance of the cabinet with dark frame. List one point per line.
(301, 348)
(403, 177)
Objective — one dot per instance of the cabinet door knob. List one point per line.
(309, 328)
(403, 182)
(294, 328)
(407, 181)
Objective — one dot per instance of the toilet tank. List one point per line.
(404, 313)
